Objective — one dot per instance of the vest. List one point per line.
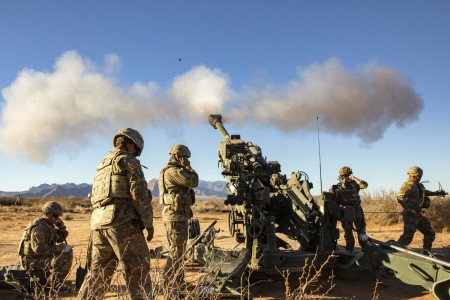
(108, 185)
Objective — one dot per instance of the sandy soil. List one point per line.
(12, 226)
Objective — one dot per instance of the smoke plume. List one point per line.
(65, 108)
(363, 103)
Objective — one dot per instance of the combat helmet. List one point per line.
(53, 207)
(415, 171)
(345, 171)
(132, 134)
(180, 150)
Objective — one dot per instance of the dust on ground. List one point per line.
(12, 225)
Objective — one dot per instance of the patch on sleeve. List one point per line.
(135, 168)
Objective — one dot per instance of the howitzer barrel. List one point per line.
(216, 122)
(406, 250)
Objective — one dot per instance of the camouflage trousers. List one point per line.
(413, 221)
(177, 236)
(124, 245)
(54, 267)
(353, 219)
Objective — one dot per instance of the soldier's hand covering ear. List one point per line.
(150, 232)
(184, 161)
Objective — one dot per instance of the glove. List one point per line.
(150, 232)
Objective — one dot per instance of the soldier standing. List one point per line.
(353, 212)
(122, 209)
(43, 248)
(175, 182)
(413, 197)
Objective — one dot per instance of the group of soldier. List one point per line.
(413, 197)
(122, 211)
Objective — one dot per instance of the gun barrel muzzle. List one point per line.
(216, 122)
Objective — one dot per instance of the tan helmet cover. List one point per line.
(133, 134)
(345, 171)
(180, 150)
(415, 171)
(53, 207)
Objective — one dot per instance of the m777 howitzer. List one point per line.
(264, 203)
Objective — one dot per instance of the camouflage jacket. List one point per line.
(40, 239)
(175, 182)
(413, 194)
(124, 189)
(350, 185)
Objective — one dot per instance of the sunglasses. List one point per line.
(54, 215)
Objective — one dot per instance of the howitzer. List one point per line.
(263, 202)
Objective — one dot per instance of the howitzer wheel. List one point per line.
(232, 222)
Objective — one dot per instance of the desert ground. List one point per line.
(12, 225)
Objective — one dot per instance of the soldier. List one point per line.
(175, 183)
(122, 209)
(43, 249)
(353, 213)
(413, 197)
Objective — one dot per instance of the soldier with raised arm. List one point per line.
(122, 210)
(353, 212)
(175, 183)
(413, 197)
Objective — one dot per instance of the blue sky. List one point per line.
(375, 73)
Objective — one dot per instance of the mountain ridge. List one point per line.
(82, 190)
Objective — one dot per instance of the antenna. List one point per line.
(320, 159)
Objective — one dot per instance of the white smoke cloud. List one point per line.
(45, 111)
(66, 107)
(363, 103)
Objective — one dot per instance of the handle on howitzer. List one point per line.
(202, 235)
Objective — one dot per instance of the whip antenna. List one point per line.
(320, 159)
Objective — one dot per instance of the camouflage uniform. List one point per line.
(123, 209)
(413, 196)
(41, 250)
(175, 183)
(353, 214)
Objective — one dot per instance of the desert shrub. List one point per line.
(34, 204)
(207, 205)
(439, 213)
(381, 207)
(67, 217)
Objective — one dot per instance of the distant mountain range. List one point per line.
(205, 188)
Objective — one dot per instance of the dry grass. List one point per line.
(382, 208)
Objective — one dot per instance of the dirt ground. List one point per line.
(12, 226)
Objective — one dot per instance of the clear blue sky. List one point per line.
(376, 73)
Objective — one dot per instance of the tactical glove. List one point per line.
(150, 232)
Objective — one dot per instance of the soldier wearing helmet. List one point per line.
(353, 214)
(413, 197)
(43, 243)
(175, 183)
(122, 210)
